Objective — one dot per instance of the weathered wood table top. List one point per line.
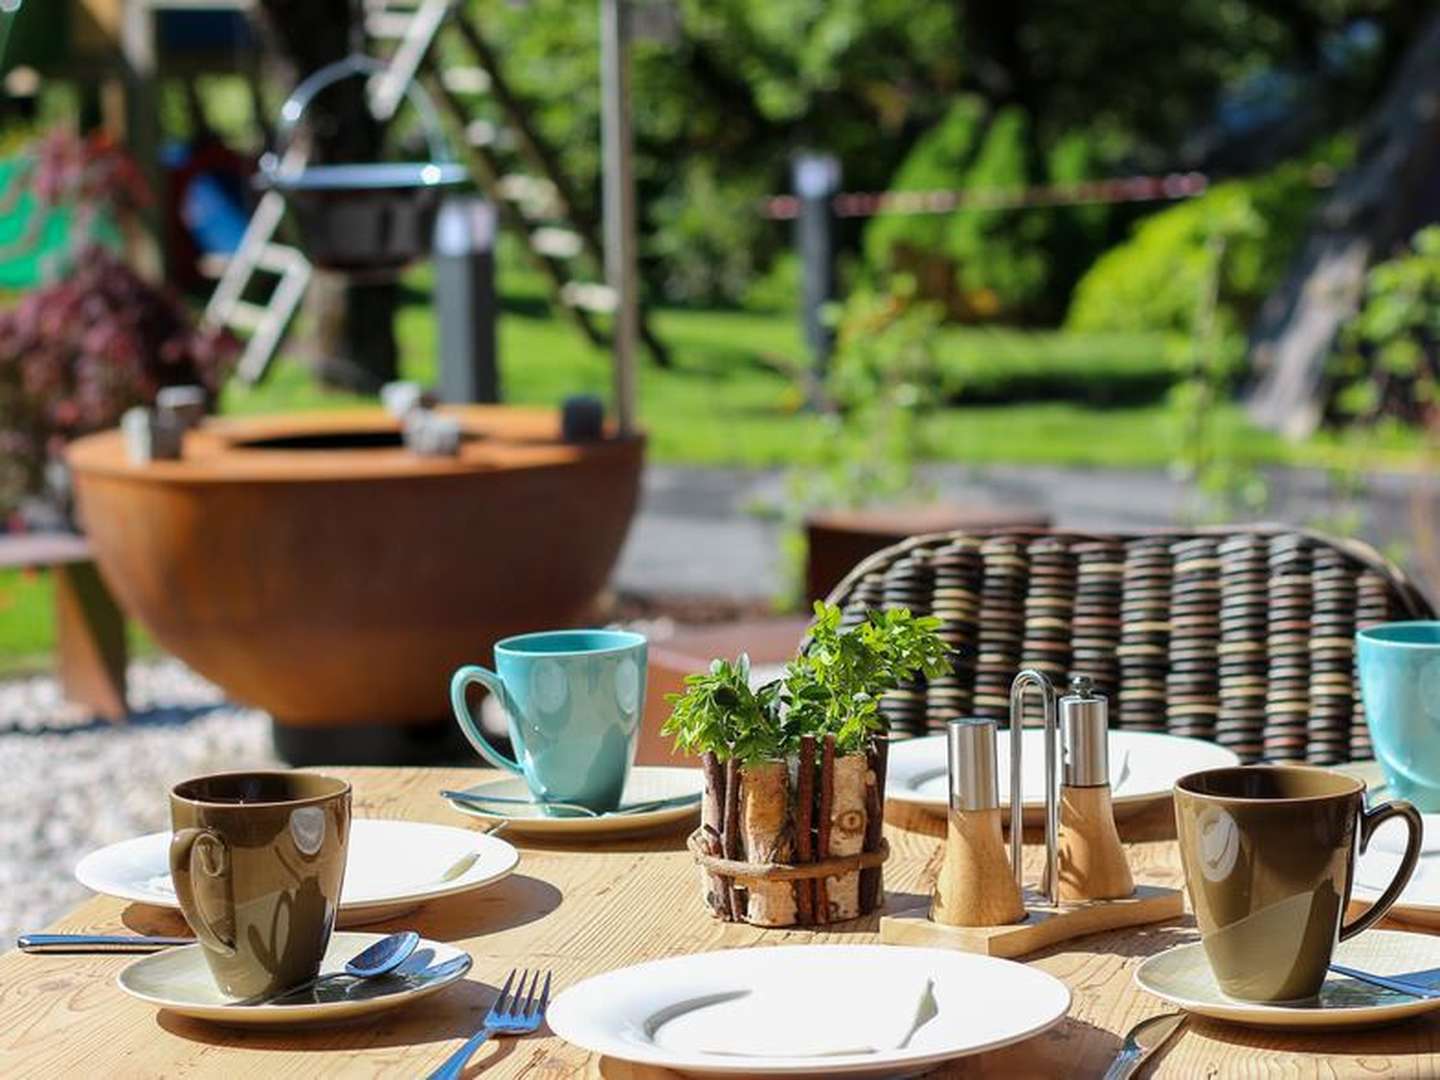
(583, 909)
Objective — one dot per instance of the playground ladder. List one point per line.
(259, 251)
(508, 158)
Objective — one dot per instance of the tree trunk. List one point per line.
(765, 826)
(1375, 205)
(351, 338)
(848, 817)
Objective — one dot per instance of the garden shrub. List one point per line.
(1155, 280)
(709, 240)
(75, 355)
(1387, 364)
(988, 264)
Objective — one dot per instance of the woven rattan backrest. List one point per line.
(1242, 635)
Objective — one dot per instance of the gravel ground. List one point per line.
(71, 785)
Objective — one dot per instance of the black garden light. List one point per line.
(361, 216)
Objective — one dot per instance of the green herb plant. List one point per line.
(833, 688)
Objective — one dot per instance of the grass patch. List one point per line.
(27, 621)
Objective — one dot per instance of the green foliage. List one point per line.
(1065, 91)
(883, 381)
(1152, 281)
(719, 711)
(988, 263)
(832, 689)
(1388, 361)
(709, 240)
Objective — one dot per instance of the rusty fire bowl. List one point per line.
(312, 566)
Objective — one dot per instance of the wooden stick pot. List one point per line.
(794, 842)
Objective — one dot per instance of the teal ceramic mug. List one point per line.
(573, 699)
(1399, 667)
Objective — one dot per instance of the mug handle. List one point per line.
(458, 685)
(1369, 821)
(209, 848)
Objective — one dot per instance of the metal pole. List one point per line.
(142, 127)
(619, 202)
(816, 179)
(464, 260)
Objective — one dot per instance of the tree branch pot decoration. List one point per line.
(791, 829)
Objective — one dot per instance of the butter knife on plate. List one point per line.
(1143, 1040)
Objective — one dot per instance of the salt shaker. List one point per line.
(1092, 860)
(977, 886)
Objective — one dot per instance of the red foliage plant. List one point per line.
(75, 355)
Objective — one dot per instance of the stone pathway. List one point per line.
(71, 785)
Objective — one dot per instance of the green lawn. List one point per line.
(1025, 397)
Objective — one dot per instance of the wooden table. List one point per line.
(582, 911)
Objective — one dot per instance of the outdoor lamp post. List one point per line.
(619, 201)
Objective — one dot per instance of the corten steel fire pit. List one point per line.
(314, 567)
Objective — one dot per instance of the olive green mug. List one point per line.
(258, 859)
(1269, 854)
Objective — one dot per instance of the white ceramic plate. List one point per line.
(820, 1009)
(646, 783)
(1419, 903)
(392, 867)
(179, 980)
(1182, 977)
(1143, 768)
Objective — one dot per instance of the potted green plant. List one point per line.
(795, 770)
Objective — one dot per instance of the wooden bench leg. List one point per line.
(90, 641)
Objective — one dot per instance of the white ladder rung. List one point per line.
(556, 243)
(277, 258)
(387, 89)
(388, 25)
(466, 80)
(244, 315)
(517, 186)
(480, 133)
(587, 296)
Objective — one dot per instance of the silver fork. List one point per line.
(517, 1017)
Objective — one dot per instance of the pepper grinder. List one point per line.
(1092, 860)
(977, 886)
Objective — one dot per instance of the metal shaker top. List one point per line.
(970, 751)
(1085, 723)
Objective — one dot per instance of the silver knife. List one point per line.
(96, 943)
(1143, 1040)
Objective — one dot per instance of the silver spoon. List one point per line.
(575, 809)
(379, 958)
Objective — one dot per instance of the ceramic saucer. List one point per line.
(180, 981)
(1182, 976)
(646, 783)
(392, 867)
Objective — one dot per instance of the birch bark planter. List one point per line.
(797, 842)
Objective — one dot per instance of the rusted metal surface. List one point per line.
(338, 586)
